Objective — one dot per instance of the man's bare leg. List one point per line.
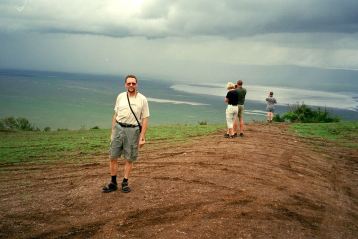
(236, 126)
(113, 167)
(241, 126)
(127, 168)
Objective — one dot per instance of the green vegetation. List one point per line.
(181, 132)
(312, 123)
(202, 122)
(81, 145)
(342, 133)
(12, 123)
(47, 129)
(304, 114)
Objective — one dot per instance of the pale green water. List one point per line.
(61, 100)
(75, 101)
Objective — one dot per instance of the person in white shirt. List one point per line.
(129, 126)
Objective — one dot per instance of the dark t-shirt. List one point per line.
(232, 97)
(241, 95)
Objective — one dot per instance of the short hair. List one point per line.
(271, 93)
(239, 82)
(230, 86)
(130, 76)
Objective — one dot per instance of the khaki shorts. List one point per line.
(240, 111)
(124, 142)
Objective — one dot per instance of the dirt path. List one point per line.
(268, 184)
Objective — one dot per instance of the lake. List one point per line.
(73, 101)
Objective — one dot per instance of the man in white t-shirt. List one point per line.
(129, 125)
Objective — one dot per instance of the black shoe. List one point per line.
(110, 188)
(125, 187)
(235, 135)
(226, 136)
(241, 134)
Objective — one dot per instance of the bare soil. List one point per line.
(267, 184)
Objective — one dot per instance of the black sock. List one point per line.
(114, 179)
(125, 180)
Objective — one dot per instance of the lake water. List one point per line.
(73, 101)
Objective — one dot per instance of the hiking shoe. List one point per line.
(125, 187)
(110, 188)
(226, 136)
(241, 134)
(235, 135)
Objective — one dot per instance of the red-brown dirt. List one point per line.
(268, 184)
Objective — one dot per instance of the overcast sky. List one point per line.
(187, 39)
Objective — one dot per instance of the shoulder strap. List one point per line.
(129, 103)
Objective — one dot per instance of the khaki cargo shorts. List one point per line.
(240, 111)
(124, 142)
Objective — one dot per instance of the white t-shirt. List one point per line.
(139, 105)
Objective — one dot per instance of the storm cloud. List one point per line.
(161, 18)
(173, 37)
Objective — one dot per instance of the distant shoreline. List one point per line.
(75, 101)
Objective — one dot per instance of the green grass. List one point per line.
(342, 133)
(81, 145)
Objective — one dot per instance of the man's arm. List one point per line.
(113, 124)
(144, 130)
(114, 120)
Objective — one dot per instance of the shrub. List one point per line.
(303, 113)
(278, 118)
(62, 129)
(47, 129)
(24, 124)
(95, 127)
(203, 123)
(11, 123)
(2, 125)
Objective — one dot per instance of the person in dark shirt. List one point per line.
(241, 101)
(231, 110)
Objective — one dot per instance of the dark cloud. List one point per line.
(181, 18)
(181, 35)
(242, 18)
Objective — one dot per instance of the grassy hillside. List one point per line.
(84, 145)
(343, 133)
(81, 145)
